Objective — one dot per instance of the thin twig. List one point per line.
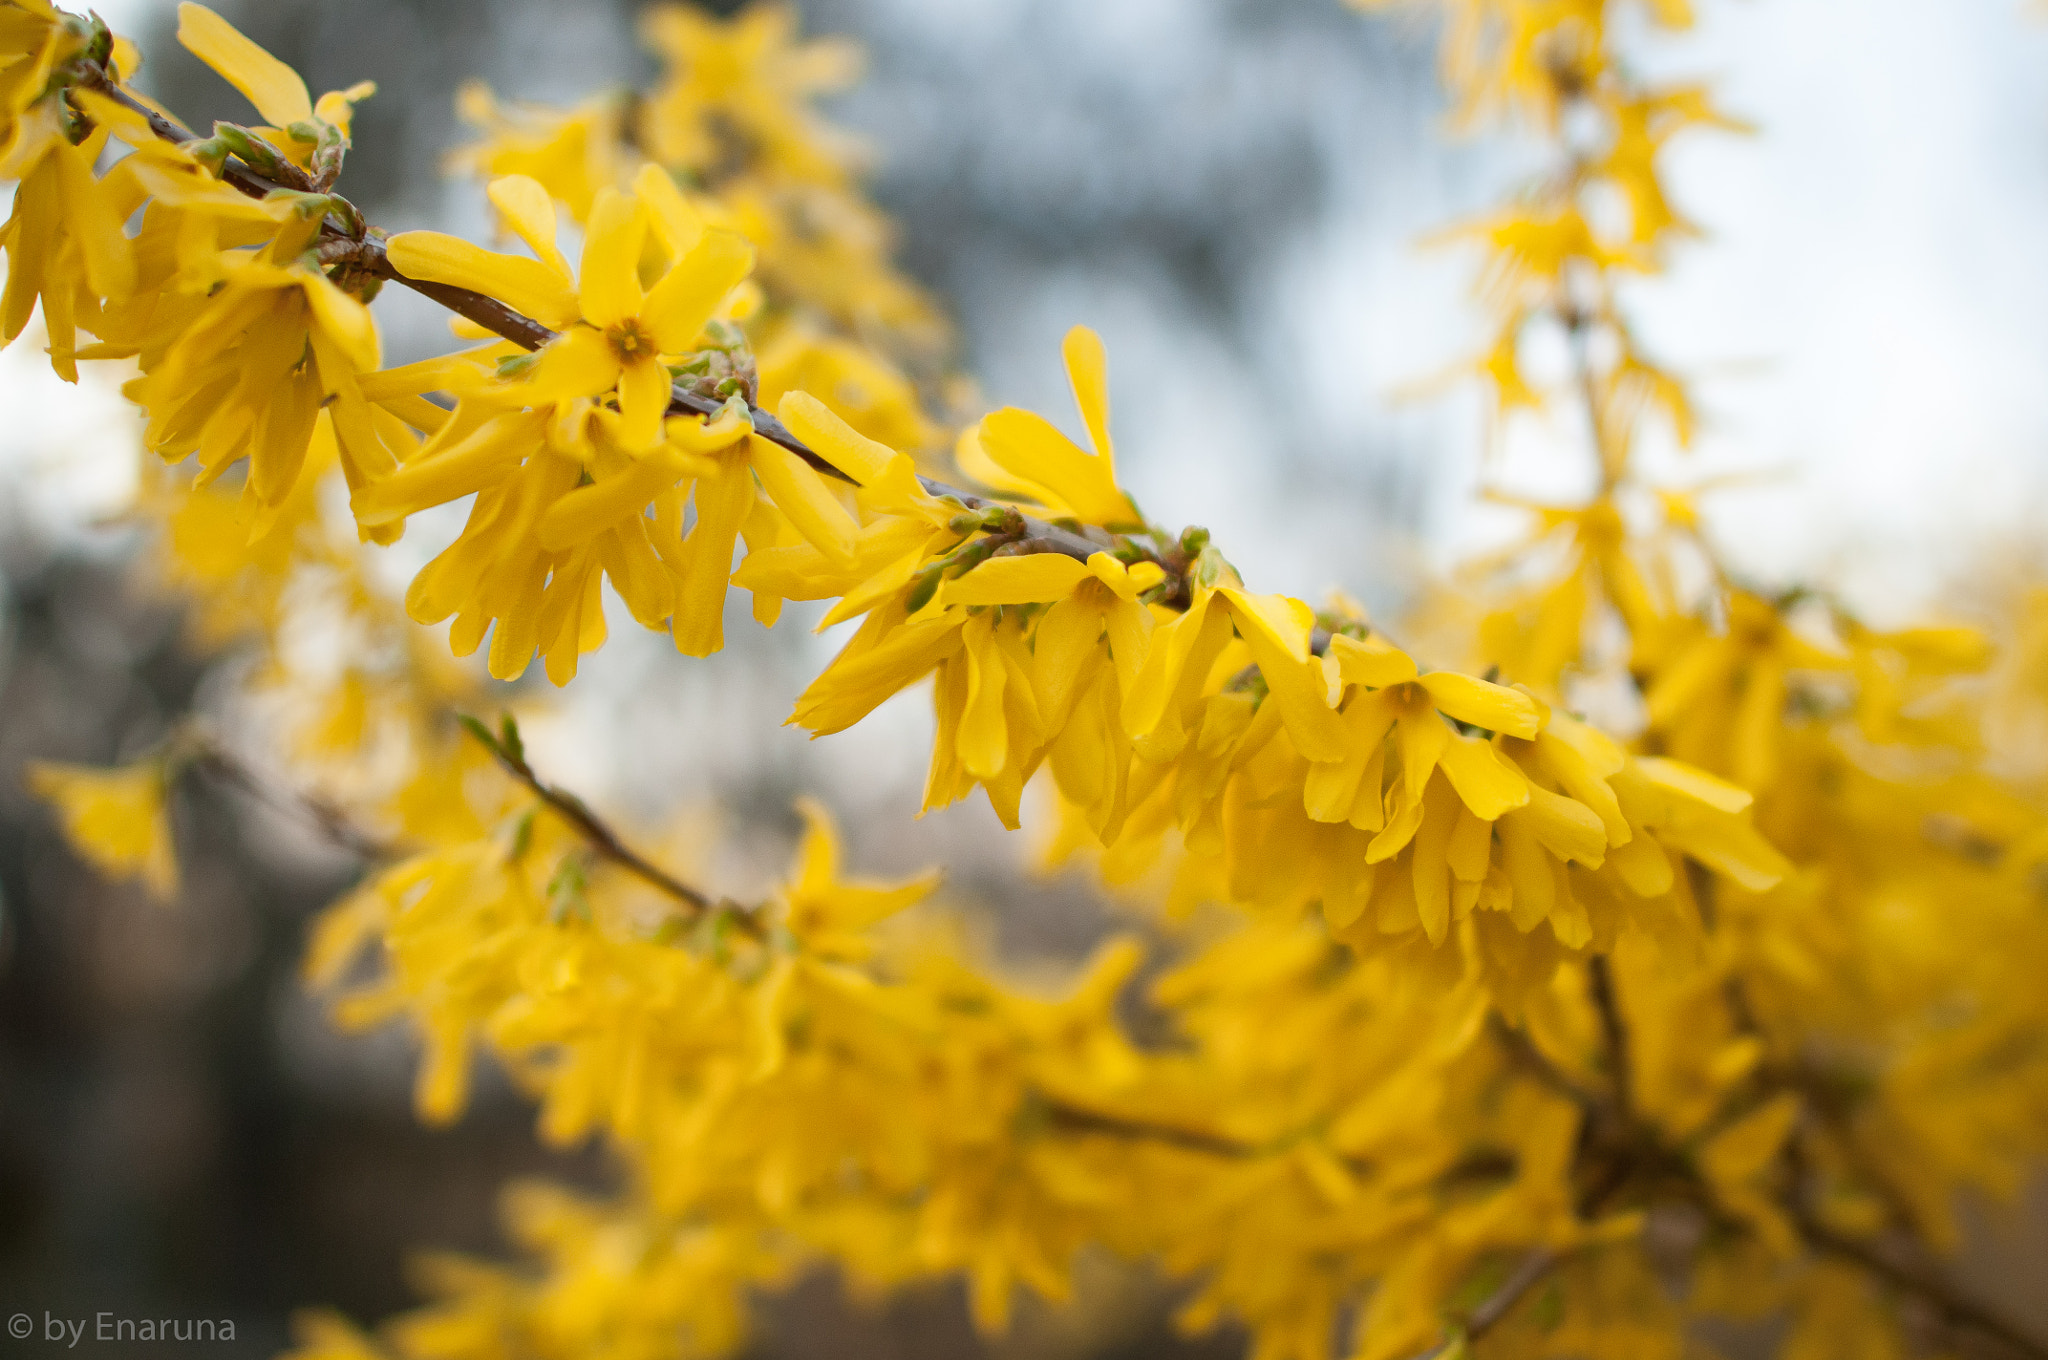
(599, 837)
(1600, 977)
(210, 758)
(1533, 1270)
(1522, 1051)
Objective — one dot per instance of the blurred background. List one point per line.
(1232, 193)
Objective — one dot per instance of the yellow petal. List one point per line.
(723, 503)
(1088, 371)
(1277, 631)
(1067, 638)
(674, 218)
(1643, 865)
(1332, 790)
(1123, 582)
(644, 390)
(1693, 783)
(530, 213)
(1531, 872)
(589, 510)
(345, 320)
(1564, 764)
(524, 285)
(337, 108)
(1488, 785)
(678, 306)
(610, 290)
(695, 434)
(486, 457)
(114, 818)
(984, 738)
(1471, 848)
(1429, 865)
(1729, 846)
(1566, 828)
(577, 363)
(800, 493)
(838, 443)
(971, 458)
(1032, 578)
(1483, 704)
(1071, 481)
(860, 678)
(1373, 662)
(1422, 738)
(273, 87)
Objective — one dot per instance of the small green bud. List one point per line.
(508, 738)
(922, 587)
(258, 154)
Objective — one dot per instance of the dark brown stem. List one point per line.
(1613, 1031)
(1525, 1055)
(601, 839)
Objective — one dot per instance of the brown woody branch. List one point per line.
(606, 843)
(1614, 1031)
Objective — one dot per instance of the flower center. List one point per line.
(629, 342)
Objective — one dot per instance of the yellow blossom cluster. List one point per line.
(1554, 255)
(1472, 968)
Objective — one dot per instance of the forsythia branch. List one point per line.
(209, 757)
(1533, 1270)
(1614, 1031)
(511, 754)
(366, 250)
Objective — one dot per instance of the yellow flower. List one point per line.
(830, 915)
(115, 818)
(571, 154)
(1720, 700)
(64, 241)
(872, 396)
(1019, 452)
(541, 537)
(34, 39)
(745, 80)
(617, 332)
(249, 373)
(299, 128)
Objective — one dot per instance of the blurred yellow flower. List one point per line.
(115, 818)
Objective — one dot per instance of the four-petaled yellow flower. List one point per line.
(616, 332)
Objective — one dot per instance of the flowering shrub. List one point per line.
(1481, 983)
